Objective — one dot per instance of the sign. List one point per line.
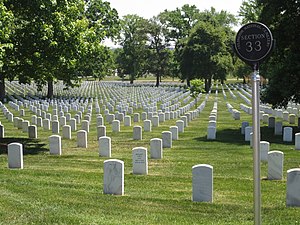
(253, 43)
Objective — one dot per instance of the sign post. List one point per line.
(253, 43)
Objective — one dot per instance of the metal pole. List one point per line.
(256, 145)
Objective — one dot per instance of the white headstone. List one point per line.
(297, 141)
(67, 134)
(101, 131)
(275, 165)
(293, 187)
(137, 133)
(55, 127)
(248, 130)
(73, 124)
(174, 131)
(244, 125)
(156, 149)
(264, 149)
(167, 139)
(32, 131)
(15, 155)
(202, 182)
(85, 125)
(155, 121)
(82, 139)
(147, 126)
(288, 134)
(139, 160)
(278, 128)
(127, 121)
(211, 133)
(115, 126)
(105, 146)
(113, 178)
(180, 125)
(55, 144)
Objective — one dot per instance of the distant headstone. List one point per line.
(202, 183)
(113, 178)
(155, 121)
(55, 127)
(73, 124)
(248, 130)
(211, 133)
(127, 121)
(85, 125)
(293, 187)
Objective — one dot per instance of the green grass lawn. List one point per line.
(68, 189)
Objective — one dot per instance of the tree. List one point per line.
(133, 39)
(195, 89)
(179, 23)
(205, 54)
(250, 11)
(283, 67)
(158, 63)
(6, 31)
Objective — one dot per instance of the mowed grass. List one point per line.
(68, 189)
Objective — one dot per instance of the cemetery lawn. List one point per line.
(68, 189)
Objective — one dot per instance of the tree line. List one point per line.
(49, 40)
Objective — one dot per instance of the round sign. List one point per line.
(253, 42)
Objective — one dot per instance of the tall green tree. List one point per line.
(159, 59)
(250, 11)
(283, 68)
(133, 39)
(179, 23)
(6, 46)
(205, 54)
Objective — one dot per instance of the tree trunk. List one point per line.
(244, 80)
(207, 84)
(188, 82)
(50, 89)
(2, 88)
(157, 80)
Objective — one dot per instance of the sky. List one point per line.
(150, 8)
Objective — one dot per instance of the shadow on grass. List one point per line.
(234, 136)
(30, 146)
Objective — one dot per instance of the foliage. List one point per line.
(133, 38)
(205, 54)
(283, 68)
(195, 89)
(250, 10)
(159, 57)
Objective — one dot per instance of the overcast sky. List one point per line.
(150, 8)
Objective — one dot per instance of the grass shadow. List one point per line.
(30, 146)
(234, 136)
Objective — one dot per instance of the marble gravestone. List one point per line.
(113, 178)
(156, 148)
(105, 146)
(15, 156)
(139, 161)
(275, 165)
(55, 145)
(293, 187)
(202, 183)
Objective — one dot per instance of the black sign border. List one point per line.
(250, 61)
